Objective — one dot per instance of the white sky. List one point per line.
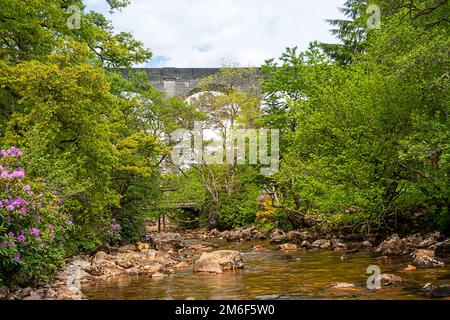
(209, 33)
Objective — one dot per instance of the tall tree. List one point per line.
(351, 33)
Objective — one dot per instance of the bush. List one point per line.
(235, 211)
(33, 225)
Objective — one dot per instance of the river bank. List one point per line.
(165, 256)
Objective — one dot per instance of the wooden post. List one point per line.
(164, 222)
(159, 224)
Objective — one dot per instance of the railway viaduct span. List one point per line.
(178, 82)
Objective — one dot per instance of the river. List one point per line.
(274, 274)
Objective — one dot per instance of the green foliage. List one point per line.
(364, 132)
(351, 33)
(64, 118)
(237, 209)
(232, 208)
(370, 140)
(32, 30)
(34, 227)
(79, 123)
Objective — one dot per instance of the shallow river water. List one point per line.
(273, 274)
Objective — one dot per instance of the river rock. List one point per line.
(342, 285)
(131, 259)
(140, 246)
(51, 294)
(437, 291)
(434, 235)
(426, 259)
(146, 261)
(261, 235)
(259, 248)
(409, 268)
(165, 259)
(392, 246)
(181, 265)
(387, 279)
(112, 269)
(36, 295)
(158, 275)
(277, 237)
(218, 261)
(241, 234)
(364, 246)
(305, 244)
(3, 292)
(64, 286)
(128, 247)
(95, 271)
(214, 233)
(442, 249)
(125, 263)
(294, 236)
(199, 247)
(430, 240)
(24, 292)
(321, 244)
(346, 256)
(413, 240)
(66, 293)
(166, 241)
(203, 247)
(338, 245)
(288, 247)
(100, 258)
(150, 268)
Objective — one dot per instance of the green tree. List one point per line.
(60, 103)
(369, 147)
(351, 32)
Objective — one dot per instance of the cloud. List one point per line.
(208, 33)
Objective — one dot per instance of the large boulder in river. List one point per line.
(166, 241)
(426, 259)
(218, 261)
(146, 261)
(393, 246)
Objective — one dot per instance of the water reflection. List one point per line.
(275, 275)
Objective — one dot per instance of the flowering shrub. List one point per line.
(33, 226)
(266, 216)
